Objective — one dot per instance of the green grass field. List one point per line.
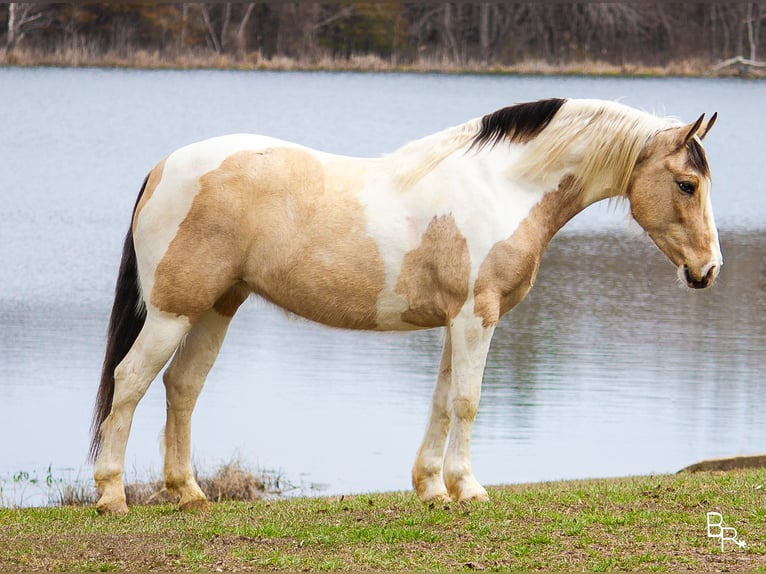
(642, 523)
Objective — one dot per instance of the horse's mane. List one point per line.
(518, 123)
(607, 135)
(414, 160)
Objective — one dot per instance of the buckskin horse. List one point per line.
(447, 231)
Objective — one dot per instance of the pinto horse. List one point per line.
(448, 231)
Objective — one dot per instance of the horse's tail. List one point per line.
(127, 320)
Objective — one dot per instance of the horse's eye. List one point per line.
(686, 187)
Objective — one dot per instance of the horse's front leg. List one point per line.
(470, 345)
(427, 472)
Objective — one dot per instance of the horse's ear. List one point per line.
(692, 129)
(706, 129)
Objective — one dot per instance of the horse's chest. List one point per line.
(430, 283)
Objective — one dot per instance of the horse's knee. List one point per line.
(465, 408)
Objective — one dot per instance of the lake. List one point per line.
(608, 368)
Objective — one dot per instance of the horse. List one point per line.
(447, 231)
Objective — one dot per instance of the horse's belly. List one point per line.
(327, 296)
(351, 293)
(355, 308)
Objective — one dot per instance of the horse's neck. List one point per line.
(584, 155)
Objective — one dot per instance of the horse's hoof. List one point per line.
(116, 507)
(468, 490)
(195, 505)
(476, 497)
(435, 498)
(431, 491)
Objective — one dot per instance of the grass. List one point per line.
(642, 523)
(90, 57)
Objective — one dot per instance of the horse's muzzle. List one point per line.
(705, 281)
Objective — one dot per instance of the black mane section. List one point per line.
(697, 157)
(519, 123)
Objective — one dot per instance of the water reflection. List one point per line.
(603, 343)
(606, 368)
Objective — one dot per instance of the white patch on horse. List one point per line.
(715, 244)
(474, 188)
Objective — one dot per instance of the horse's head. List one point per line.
(669, 193)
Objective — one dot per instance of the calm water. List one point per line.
(608, 368)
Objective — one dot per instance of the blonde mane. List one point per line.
(415, 160)
(606, 137)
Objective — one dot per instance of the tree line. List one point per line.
(455, 33)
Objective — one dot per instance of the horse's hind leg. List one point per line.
(159, 337)
(183, 380)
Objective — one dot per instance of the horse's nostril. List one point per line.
(702, 282)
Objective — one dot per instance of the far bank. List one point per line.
(141, 59)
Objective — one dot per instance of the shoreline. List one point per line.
(143, 60)
(238, 482)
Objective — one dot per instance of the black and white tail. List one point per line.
(126, 321)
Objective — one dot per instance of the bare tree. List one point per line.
(184, 26)
(750, 21)
(449, 32)
(23, 18)
(214, 36)
(222, 29)
(753, 23)
(241, 29)
(483, 31)
(484, 39)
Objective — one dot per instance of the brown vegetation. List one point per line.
(685, 38)
(726, 464)
(229, 482)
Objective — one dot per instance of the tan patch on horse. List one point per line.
(155, 176)
(289, 227)
(434, 277)
(229, 302)
(510, 268)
